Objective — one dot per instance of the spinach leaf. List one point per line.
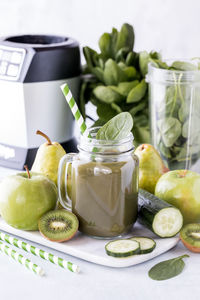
(121, 54)
(170, 129)
(142, 104)
(168, 268)
(113, 74)
(125, 37)
(143, 62)
(117, 128)
(137, 93)
(183, 66)
(131, 73)
(130, 58)
(106, 94)
(105, 45)
(105, 111)
(124, 88)
(116, 107)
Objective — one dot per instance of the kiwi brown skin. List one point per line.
(59, 241)
(56, 239)
(189, 245)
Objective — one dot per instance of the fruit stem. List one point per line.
(45, 136)
(182, 173)
(27, 170)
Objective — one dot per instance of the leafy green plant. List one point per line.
(168, 268)
(114, 80)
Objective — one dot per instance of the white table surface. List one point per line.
(95, 281)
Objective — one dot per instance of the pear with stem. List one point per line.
(48, 157)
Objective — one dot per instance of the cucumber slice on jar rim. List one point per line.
(122, 248)
(147, 245)
(167, 222)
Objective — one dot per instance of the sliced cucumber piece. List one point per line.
(122, 248)
(159, 216)
(146, 244)
(167, 222)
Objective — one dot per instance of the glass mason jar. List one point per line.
(175, 115)
(100, 185)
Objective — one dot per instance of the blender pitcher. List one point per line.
(175, 115)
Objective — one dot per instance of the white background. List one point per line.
(172, 26)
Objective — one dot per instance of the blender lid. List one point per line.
(39, 41)
(43, 57)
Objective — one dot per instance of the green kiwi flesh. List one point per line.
(190, 236)
(58, 225)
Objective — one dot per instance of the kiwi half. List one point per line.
(190, 236)
(58, 225)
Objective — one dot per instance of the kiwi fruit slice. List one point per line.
(190, 236)
(58, 225)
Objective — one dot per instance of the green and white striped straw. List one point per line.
(40, 253)
(21, 259)
(74, 108)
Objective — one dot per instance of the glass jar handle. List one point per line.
(64, 198)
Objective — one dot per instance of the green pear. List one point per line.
(151, 167)
(47, 158)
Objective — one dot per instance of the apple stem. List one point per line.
(45, 136)
(183, 173)
(27, 170)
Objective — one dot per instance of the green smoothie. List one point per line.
(104, 196)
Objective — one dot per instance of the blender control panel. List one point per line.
(11, 61)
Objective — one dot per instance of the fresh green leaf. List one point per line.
(105, 45)
(113, 73)
(98, 123)
(184, 66)
(89, 53)
(131, 73)
(116, 107)
(170, 129)
(98, 72)
(168, 268)
(121, 54)
(106, 94)
(142, 104)
(140, 133)
(117, 128)
(130, 59)
(82, 99)
(137, 93)
(105, 111)
(164, 150)
(125, 37)
(114, 37)
(124, 88)
(143, 62)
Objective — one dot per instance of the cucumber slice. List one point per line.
(146, 244)
(122, 248)
(167, 222)
(159, 216)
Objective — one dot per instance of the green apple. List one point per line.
(151, 167)
(181, 188)
(25, 197)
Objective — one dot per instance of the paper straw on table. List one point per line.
(21, 259)
(40, 253)
(74, 108)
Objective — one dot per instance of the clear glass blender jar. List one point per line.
(175, 115)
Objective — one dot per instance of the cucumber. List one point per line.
(122, 248)
(147, 245)
(159, 216)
